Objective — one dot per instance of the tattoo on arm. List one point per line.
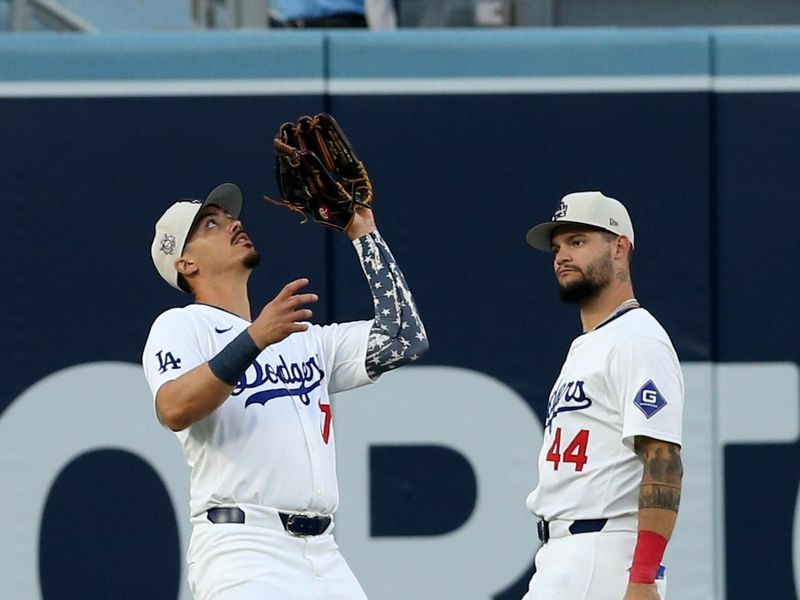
(663, 471)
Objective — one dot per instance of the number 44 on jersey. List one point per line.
(574, 453)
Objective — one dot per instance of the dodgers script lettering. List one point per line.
(566, 397)
(280, 379)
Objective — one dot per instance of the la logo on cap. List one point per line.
(583, 208)
(561, 212)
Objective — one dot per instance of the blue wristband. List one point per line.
(232, 361)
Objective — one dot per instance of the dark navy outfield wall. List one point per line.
(470, 138)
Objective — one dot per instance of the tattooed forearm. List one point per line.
(663, 471)
(659, 495)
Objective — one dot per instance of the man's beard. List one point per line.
(252, 260)
(595, 279)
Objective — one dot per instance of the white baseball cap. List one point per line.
(174, 226)
(583, 208)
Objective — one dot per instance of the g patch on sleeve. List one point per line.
(649, 400)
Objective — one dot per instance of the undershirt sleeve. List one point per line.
(397, 336)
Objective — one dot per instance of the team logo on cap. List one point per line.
(561, 212)
(168, 244)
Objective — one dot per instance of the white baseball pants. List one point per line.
(259, 560)
(585, 566)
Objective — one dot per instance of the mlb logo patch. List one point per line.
(649, 399)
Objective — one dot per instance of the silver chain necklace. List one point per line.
(627, 305)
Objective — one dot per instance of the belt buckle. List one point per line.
(290, 519)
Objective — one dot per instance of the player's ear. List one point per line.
(185, 265)
(622, 247)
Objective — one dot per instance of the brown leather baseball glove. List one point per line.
(318, 173)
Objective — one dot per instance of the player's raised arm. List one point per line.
(320, 176)
(398, 336)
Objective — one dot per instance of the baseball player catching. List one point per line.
(249, 399)
(610, 467)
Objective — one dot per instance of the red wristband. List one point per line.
(647, 557)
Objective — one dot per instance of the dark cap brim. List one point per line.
(227, 196)
(540, 236)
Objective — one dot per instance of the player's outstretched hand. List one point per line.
(281, 317)
(641, 591)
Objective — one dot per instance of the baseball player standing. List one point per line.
(610, 467)
(248, 399)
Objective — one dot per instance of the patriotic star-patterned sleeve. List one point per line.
(397, 336)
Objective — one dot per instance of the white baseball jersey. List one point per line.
(271, 442)
(620, 380)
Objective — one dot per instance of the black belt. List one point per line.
(337, 20)
(579, 526)
(294, 523)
